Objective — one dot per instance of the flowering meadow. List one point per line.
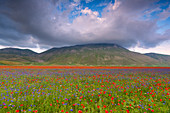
(84, 90)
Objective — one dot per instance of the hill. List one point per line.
(15, 56)
(164, 59)
(88, 54)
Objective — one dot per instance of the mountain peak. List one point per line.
(100, 45)
(86, 46)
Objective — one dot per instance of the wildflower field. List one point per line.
(85, 90)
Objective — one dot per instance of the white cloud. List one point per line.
(163, 48)
(87, 1)
(77, 1)
(116, 4)
(117, 26)
(74, 5)
(89, 11)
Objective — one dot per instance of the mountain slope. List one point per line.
(15, 56)
(21, 52)
(89, 54)
(164, 59)
(96, 54)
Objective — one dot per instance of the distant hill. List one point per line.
(88, 54)
(16, 51)
(15, 56)
(163, 59)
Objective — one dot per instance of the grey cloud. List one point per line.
(125, 28)
(137, 5)
(40, 22)
(165, 14)
(37, 18)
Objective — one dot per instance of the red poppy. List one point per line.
(17, 111)
(21, 105)
(80, 111)
(127, 111)
(106, 111)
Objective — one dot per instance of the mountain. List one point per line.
(88, 54)
(95, 54)
(164, 59)
(15, 56)
(16, 51)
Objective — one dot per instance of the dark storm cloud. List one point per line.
(45, 22)
(33, 17)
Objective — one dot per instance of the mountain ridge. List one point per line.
(86, 54)
(83, 45)
(17, 51)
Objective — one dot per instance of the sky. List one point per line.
(139, 25)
